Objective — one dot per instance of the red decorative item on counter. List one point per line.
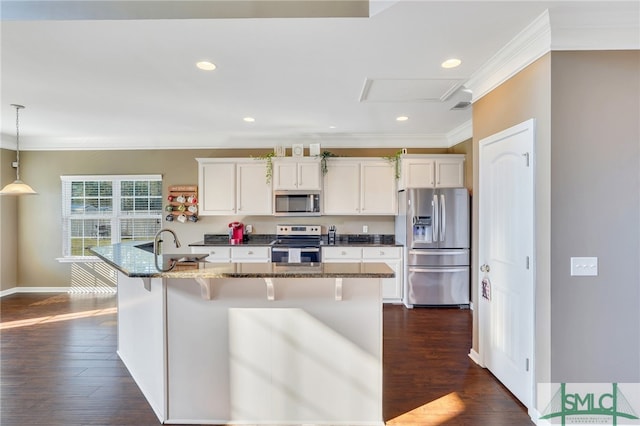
(236, 232)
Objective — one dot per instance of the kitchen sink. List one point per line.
(177, 258)
(191, 258)
(146, 247)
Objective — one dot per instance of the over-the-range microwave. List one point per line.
(296, 203)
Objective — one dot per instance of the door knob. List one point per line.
(485, 268)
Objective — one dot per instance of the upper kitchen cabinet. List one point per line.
(233, 186)
(361, 186)
(432, 171)
(296, 173)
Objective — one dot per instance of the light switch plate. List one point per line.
(584, 266)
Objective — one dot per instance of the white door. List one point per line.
(506, 248)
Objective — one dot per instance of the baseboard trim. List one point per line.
(15, 290)
(475, 357)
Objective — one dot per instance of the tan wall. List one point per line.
(595, 196)
(466, 148)
(39, 228)
(8, 224)
(526, 95)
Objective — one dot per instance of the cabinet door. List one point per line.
(419, 173)
(450, 173)
(392, 256)
(217, 188)
(378, 193)
(309, 175)
(254, 196)
(217, 254)
(342, 188)
(341, 254)
(251, 254)
(285, 175)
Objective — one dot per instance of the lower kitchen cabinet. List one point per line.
(226, 254)
(392, 256)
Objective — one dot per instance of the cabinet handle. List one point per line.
(250, 252)
(344, 253)
(381, 253)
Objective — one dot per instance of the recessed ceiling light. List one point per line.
(451, 63)
(206, 65)
(249, 119)
(402, 118)
(332, 127)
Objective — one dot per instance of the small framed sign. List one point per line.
(314, 149)
(297, 150)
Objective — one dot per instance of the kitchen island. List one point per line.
(252, 343)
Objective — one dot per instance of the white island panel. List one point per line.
(141, 335)
(301, 358)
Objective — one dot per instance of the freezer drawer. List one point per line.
(439, 257)
(437, 286)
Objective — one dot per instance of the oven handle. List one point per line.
(306, 249)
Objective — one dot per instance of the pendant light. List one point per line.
(17, 187)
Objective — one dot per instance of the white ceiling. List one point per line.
(132, 83)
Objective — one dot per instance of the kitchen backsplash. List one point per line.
(193, 232)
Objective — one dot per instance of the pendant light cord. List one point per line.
(18, 107)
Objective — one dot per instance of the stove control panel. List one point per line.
(302, 230)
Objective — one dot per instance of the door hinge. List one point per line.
(527, 365)
(526, 157)
(527, 261)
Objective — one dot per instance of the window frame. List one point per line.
(115, 216)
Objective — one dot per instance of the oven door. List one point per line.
(295, 254)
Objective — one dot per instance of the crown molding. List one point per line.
(362, 140)
(460, 133)
(563, 28)
(529, 45)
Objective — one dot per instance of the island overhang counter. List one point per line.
(252, 343)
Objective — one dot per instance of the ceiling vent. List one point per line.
(461, 105)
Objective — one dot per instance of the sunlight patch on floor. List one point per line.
(433, 413)
(56, 318)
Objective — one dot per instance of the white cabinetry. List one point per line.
(432, 171)
(251, 254)
(296, 173)
(233, 186)
(359, 187)
(392, 256)
(226, 254)
(216, 187)
(253, 196)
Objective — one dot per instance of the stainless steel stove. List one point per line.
(297, 244)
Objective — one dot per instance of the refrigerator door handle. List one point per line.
(437, 252)
(443, 220)
(461, 269)
(436, 219)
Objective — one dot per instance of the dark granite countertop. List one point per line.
(267, 239)
(135, 262)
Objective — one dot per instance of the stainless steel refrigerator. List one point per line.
(434, 226)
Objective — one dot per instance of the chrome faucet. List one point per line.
(157, 247)
(157, 241)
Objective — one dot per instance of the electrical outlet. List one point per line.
(249, 229)
(365, 229)
(584, 266)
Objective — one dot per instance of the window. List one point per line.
(103, 210)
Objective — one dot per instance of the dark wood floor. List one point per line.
(59, 367)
